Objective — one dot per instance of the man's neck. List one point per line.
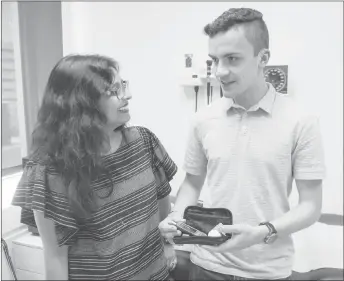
(253, 95)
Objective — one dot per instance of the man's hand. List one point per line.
(168, 227)
(243, 236)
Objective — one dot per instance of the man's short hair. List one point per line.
(252, 20)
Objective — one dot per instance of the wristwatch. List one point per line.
(272, 235)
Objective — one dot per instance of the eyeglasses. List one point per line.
(119, 89)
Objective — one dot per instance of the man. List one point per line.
(250, 145)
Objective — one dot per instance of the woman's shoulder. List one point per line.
(133, 133)
(136, 128)
(36, 162)
(42, 171)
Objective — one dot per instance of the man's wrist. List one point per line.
(175, 214)
(261, 232)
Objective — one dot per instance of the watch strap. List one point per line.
(272, 231)
(270, 226)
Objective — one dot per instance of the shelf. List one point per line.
(200, 81)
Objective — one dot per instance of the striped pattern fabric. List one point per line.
(121, 240)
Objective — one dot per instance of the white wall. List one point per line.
(150, 40)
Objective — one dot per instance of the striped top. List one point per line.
(121, 240)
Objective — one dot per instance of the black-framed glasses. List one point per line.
(119, 89)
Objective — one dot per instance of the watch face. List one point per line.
(277, 76)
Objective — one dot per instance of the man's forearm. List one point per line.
(302, 216)
(187, 196)
(306, 213)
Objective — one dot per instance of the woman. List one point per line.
(95, 188)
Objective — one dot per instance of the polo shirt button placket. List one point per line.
(244, 127)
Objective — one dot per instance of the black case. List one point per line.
(205, 219)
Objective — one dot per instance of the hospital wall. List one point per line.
(150, 40)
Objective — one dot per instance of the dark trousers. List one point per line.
(199, 273)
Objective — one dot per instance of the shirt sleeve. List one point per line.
(163, 166)
(195, 160)
(43, 191)
(308, 155)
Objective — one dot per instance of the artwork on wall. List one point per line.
(277, 75)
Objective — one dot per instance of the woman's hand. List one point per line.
(168, 227)
(171, 257)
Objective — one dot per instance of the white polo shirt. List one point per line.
(251, 158)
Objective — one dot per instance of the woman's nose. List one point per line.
(127, 95)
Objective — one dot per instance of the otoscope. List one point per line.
(209, 63)
(188, 64)
(196, 88)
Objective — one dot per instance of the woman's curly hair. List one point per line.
(69, 133)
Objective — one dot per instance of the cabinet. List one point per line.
(27, 257)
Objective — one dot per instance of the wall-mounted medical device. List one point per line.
(197, 76)
(277, 75)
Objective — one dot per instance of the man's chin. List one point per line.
(228, 91)
(229, 94)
